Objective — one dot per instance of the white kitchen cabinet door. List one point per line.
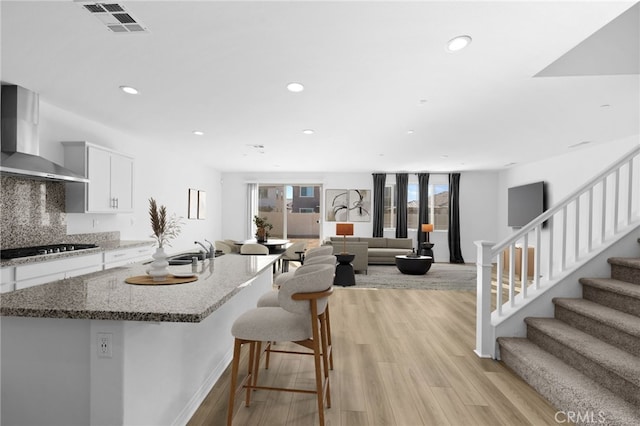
(99, 187)
(122, 182)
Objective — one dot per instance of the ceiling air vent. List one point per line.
(114, 17)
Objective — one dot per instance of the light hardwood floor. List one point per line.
(402, 357)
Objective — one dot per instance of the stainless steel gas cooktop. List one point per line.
(39, 250)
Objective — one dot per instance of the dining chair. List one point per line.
(234, 247)
(303, 299)
(294, 252)
(253, 248)
(222, 246)
(317, 251)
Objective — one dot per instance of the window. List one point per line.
(438, 204)
(389, 206)
(413, 206)
(306, 191)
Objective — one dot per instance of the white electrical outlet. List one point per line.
(105, 344)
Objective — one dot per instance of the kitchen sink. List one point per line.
(185, 258)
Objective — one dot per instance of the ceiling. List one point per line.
(382, 93)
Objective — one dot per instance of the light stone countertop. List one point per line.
(105, 296)
(102, 246)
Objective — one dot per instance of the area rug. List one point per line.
(441, 276)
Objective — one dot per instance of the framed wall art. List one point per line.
(192, 212)
(359, 205)
(202, 204)
(336, 205)
(348, 205)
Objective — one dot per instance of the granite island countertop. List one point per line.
(104, 295)
(102, 247)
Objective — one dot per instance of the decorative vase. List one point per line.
(261, 235)
(159, 269)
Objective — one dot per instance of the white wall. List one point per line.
(162, 173)
(477, 211)
(562, 174)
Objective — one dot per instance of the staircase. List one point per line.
(586, 360)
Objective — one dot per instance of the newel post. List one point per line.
(485, 344)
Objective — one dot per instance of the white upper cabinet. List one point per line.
(110, 174)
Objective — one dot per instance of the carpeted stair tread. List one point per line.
(565, 387)
(616, 286)
(628, 323)
(613, 359)
(631, 262)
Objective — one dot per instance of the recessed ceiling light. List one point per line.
(422, 102)
(130, 90)
(198, 132)
(605, 106)
(458, 43)
(308, 131)
(409, 132)
(295, 87)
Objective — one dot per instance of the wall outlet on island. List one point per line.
(96, 223)
(105, 344)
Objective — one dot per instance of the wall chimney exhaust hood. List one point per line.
(20, 146)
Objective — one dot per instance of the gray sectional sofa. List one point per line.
(371, 251)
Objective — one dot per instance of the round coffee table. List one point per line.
(413, 265)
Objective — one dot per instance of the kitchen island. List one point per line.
(167, 344)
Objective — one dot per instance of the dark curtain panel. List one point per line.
(423, 207)
(455, 252)
(402, 182)
(378, 204)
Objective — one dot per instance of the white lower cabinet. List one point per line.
(31, 274)
(115, 258)
(44, 272)
(7, 279)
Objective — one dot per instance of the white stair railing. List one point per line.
(556, 242)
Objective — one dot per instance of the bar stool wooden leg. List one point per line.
(237, 346)
(325, 355)
(317, 361)
(267, 349)
(250, 372)
(327, 324)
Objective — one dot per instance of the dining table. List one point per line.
(275, 245)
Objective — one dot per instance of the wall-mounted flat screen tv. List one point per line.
(525, 203)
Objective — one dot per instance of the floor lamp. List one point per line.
(344, 229)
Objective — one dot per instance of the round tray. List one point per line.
(148, 280)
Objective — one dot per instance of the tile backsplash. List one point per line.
(32, 213)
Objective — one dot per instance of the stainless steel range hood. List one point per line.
(20, 147)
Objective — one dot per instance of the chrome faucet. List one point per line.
(208, 252)
(212, 248)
